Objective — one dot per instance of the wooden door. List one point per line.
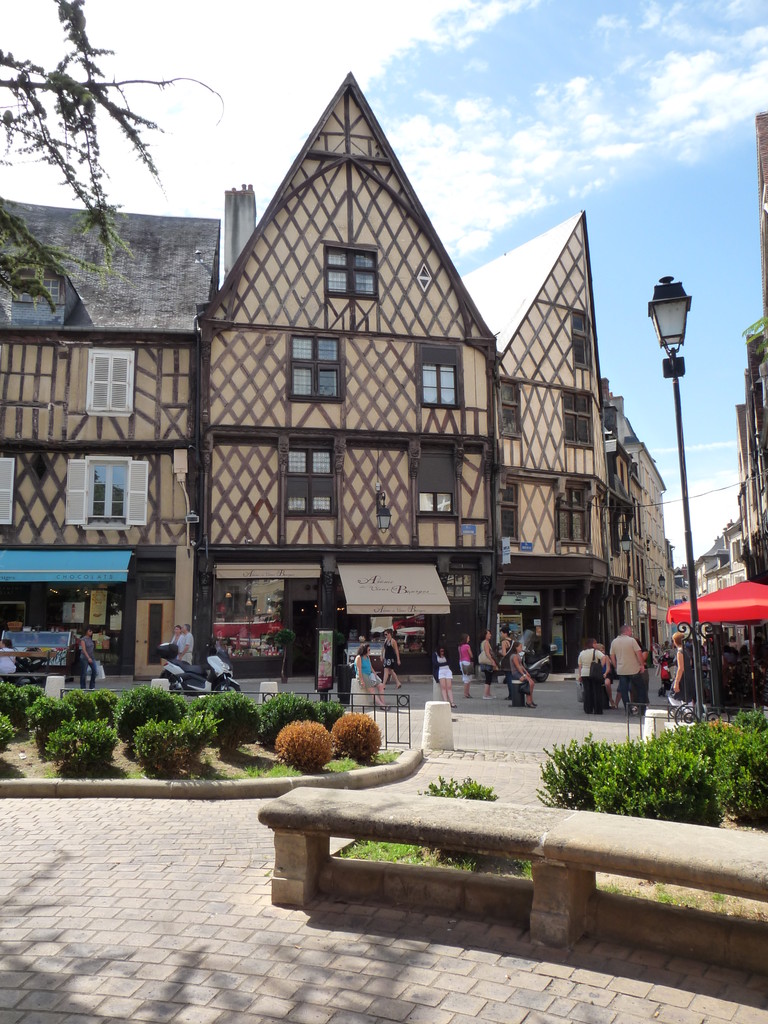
(154, 625)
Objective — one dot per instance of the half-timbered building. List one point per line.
(346, 437)
(551, 551)
(98, 416)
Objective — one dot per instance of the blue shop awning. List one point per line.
(83, 566)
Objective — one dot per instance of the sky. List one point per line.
(508, 116)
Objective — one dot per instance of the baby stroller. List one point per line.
(665, 672)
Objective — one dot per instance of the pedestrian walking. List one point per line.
(625, 657)
(186, 644)
(87, 660)
(391, 658)
(590, 671)
(443, 675)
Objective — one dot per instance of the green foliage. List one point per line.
(237, 717)
(356, 736)
(567, 775)
(92, 705)
(469, 789)
(741, 773)
(172, 748)
(281, 710)
(45, 716)
(328, 712)
(7, 731)
(304, 745)
(282, 637)
(13, 704)
(659, 779)
(145, 704)
(82, 748)
(753, 720)
(757, 333)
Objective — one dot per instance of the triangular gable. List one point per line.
(348, 136)
(506, 288)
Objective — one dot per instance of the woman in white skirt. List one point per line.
(443, 675)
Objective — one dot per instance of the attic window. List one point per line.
(351, 272)
(424, 277)
(51, 282)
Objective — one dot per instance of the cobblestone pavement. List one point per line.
(159, 910)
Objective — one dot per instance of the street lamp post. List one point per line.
(669, 311)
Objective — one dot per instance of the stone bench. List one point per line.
(566, 850)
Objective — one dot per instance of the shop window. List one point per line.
(572, 515)
(509, 512)
(439, 375)
(107, 493)
(7, 474)
(315, 371)
(577, 418)
(459, 584)
(436, 484)
(510, 409)
(310, 482)
(247, 613)
(110, 383)
(351, 272)
(580, 340)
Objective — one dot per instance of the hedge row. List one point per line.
(700, 774)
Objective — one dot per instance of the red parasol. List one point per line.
(743, 603)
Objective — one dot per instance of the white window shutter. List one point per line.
(122, 366)
(77, 492)
(99, 374)
(7, 471)
(138, 477)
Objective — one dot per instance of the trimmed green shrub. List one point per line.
(146, 704)
(567, 775)
(741, 775)
(356, 736)
(7, 732)
(281, 710)
(304, 745)
(92, 705)
(469, 789)
(172, 749)
(328, 712)
(13, 704)
(82, 748)
(660, 779)
(45, 716)
(237, 717)
(753, 720)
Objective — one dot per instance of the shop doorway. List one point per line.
(305, 620)
(154, 625)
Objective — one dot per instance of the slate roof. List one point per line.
(157, 286)
(505, 288)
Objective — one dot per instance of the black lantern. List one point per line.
(383, 515)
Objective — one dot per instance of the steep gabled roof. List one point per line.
(505, 288)
(171, 268)
(375, 164)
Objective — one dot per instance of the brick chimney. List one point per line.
(239, 222)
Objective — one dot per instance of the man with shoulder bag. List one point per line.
(589, 671)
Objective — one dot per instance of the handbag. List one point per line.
(595, 670)
(100, 674)
(579, 690)
(525, 687)
(483, 659)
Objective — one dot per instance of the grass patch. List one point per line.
(404, 853)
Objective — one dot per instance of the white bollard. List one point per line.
(438, 729)
(267, 686)
(160, 684)
(54, 685)
(654, 723)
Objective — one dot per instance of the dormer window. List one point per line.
(51, 282)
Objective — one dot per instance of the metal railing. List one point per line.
(394, 720)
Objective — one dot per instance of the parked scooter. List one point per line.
(215, 677)
(538, 667)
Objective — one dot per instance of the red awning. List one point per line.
(743, 603)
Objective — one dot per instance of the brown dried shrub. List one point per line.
(304, 745)
(356, 736)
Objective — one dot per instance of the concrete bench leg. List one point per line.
(560, 900)
(299, 859)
